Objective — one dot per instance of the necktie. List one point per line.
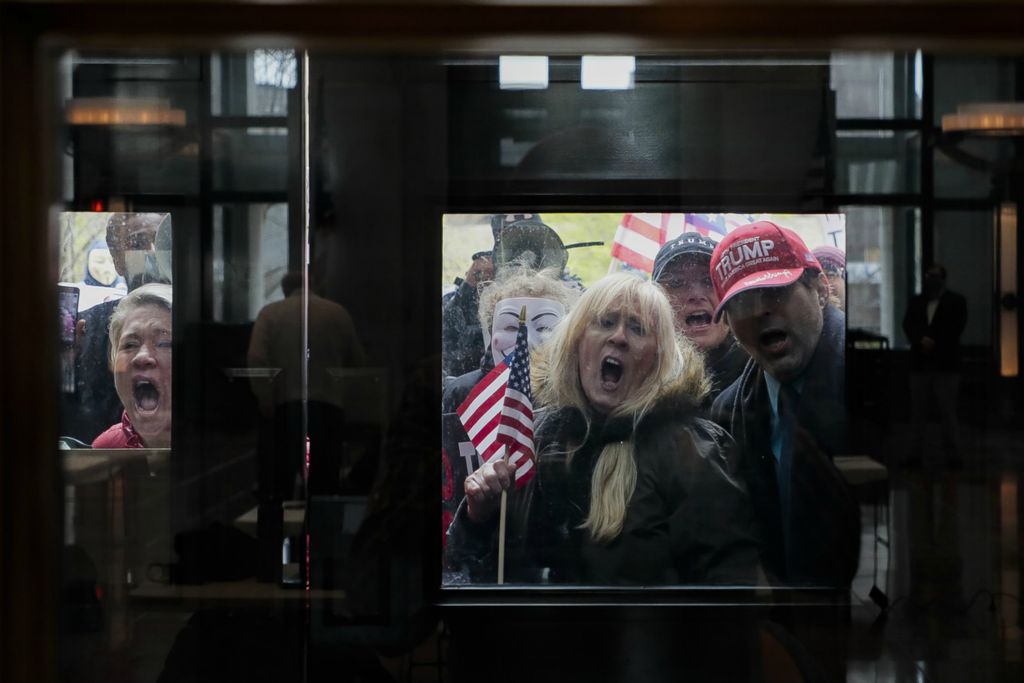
(789, 400)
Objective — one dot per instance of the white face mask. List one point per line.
(542, 315)
(101, 267)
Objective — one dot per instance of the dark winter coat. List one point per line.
(819, 544)
(725, 363)
(687, 522)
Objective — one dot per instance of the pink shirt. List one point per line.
(120, 435)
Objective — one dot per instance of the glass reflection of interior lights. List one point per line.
(120, 111)
(1006, 238)
(602, 72)
(521, 72)
(986, 118)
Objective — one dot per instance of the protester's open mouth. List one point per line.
(146, 394)
(611, 373)
(699, 319)
(774, 341)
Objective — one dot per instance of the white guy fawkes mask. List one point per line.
(541, 317)
(101, 267)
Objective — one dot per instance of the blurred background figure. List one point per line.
(100, 279)
(461, 344)
(833, 264)
(934, 321)
(277, 342)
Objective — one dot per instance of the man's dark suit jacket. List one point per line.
(946, 327)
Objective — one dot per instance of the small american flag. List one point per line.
(498, 413)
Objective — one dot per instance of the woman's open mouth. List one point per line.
(611, 373)
(146, 394)
(698, 320)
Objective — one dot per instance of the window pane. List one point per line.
(964, 80)
(875, 85)
(956, 177)
(257, 83)
(870, 162)
(963, 244)
(881, 258)
(250, 159)
(131, 125)
(250, 256)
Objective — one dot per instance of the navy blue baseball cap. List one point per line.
(687, 243)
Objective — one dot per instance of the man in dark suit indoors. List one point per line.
(934, 321)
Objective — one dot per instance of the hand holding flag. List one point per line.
(498, 417)
(498, 413)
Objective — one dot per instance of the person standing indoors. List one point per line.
(682, 268)
(933, 323)
(787, 410)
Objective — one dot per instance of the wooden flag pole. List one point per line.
(501, 529)
(503, 513)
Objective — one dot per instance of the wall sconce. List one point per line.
(1006, 241)
(986, 118)
(120, 111)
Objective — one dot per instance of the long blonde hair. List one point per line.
(678, 369)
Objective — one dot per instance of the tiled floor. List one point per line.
(951, 573)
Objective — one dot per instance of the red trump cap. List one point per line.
(758, 255)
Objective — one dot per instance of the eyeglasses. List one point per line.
(750, 302)
(683, 283)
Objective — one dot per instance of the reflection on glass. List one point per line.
(250, 253)
(880, 85)
(872, 162)
(250, 159)
(116, 253)
(256, 83)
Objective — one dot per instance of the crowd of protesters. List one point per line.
(684, 427)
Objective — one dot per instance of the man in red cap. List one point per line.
(787, 410)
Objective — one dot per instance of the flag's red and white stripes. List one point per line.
(641, 235)
(481, 412)
(498, 413)
(516, 431)
(638, 239)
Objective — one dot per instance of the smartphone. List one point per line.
(68, 305)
